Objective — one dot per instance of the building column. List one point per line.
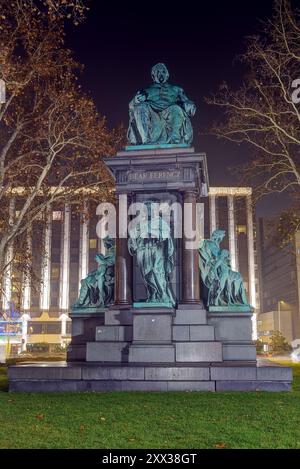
(232, 234)
(25, 319)
(63, 331)
(123, 267)
(213, 214)
(251, 264)
(65, 260)
(83, 246)
(46, 267)
(190, 257)
(26, 297)
(7, 283)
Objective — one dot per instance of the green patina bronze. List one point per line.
(151, 242)
(97, 289)
(160, 114)
(225, 287)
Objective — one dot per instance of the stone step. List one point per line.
(194, 333)
(114, 333)
(270, 386)
(48, 377)
(100, 386)
(198, 352)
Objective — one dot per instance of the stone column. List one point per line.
(251, 264)
(123, 267)
(212, 212)
(190, 257)
(25, 318)
(26, 297)
(65, 260)
(46, 263)
(83, 247)
(232, 234)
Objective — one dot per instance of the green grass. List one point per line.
(150, 420)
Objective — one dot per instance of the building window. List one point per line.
(57, 215)
(55, 272)
(241, 229)
(93, 243)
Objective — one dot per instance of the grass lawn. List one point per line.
(150, 420)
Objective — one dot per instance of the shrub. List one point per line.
(279, 344)
(41, 347)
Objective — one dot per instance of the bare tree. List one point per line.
(264, 113)
(52, 139)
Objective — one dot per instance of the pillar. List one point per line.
(232, 234)
(26, 297)
(213, 216)
(190, 257)
(123, 266)
(251, 264)
(83, 246)
(25, 319)
(46, 267)
(65, 260)
(63, 331)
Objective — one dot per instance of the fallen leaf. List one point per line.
(40, 416)
(220, 445)
(82, 428)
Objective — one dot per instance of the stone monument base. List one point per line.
(234, 376)
(156, 349)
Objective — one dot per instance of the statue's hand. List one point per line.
(190, 108)
(140, 97)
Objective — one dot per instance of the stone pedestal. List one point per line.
(84, 324)
(152, 336)
(234, 330)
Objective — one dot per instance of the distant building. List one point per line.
(279, 271)
(70, 245)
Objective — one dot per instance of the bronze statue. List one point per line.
(151, 242)
(160, 114)
(97, 288)
(225, 286)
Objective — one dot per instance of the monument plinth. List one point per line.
(164, 311)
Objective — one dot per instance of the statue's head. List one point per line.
(108, 242)
(225, 254)
(160, 73)
(218, 235)
(99, 258)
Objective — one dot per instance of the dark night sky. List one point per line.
(198, 41)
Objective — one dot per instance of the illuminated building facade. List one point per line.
(279, 284)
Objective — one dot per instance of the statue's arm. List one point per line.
(186, 103)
